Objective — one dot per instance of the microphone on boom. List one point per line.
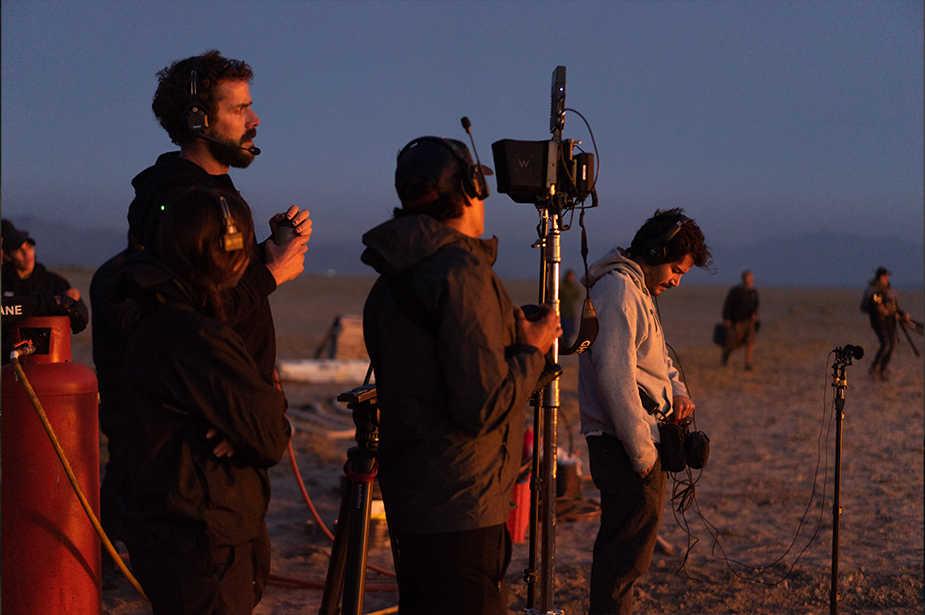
(252, 149)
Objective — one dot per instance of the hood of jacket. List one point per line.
(616, 260)
(155, 184)
(399, 244)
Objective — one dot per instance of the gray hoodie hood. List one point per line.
(616, 260)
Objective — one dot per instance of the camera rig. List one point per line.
(546, 173)
(551, 176)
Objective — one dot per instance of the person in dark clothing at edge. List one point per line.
(29, 289)
(740, 317)
(204, 424)
(204, 105)
(455, 364)
(882, 306)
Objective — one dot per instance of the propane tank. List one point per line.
(49, 551)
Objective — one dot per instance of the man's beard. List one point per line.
(231, 154)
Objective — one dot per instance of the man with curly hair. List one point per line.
(625, 380)
(204, 104)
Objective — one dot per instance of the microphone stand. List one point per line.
(840, 382)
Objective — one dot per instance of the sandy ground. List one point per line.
(758, 537)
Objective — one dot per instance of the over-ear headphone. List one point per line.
(474, 182)
(194, 116)
(655, 252)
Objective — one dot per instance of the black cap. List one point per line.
(434, 158)
(13, 238)
(881, 271)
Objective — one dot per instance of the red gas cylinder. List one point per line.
(49, 551)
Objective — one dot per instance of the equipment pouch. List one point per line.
(671, 448)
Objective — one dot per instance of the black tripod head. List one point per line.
(364, 404)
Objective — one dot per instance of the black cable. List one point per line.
(684, 490)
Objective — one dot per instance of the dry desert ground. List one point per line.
(758, 536)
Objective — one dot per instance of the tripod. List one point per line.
(843, 358)
(347, 568)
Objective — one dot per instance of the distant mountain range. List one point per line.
(813, 259)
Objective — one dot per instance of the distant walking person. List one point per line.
(740, 316)
(569, 299)
(882, 306)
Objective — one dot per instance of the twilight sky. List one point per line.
(762, 119)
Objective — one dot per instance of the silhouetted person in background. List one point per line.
(29, 289)
(882, 306)
(740, 317)
(569, 302)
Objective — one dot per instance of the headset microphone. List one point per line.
(253, 150)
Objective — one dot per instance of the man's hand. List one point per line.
(299, 217)
(287, 261)
(541, 331)
(682, 407)
(73, 293)
(647, 472)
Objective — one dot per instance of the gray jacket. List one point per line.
(452, 383)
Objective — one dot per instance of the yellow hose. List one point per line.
(70, 474)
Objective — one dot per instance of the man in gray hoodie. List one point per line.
(625, 379)
(455, 364)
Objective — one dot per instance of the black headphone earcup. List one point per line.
(195, 117)
(654, 253)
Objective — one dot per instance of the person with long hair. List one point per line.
(204, 425)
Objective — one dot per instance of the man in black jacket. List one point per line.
(29, 289)
(740, 316)
(204, 104)
(455, 363)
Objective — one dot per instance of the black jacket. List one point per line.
(181, 374)
(248, 304)
(741, 304)
(452, 384)
(41, 294)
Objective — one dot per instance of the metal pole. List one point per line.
(550, 427)
(840, 383)
(536, 480)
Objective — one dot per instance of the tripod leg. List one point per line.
(902, 326)
(334, 582)
(355, 582)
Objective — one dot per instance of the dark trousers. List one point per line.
(886, 333)
(631, 510)
(459, 573)
(222, 581)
